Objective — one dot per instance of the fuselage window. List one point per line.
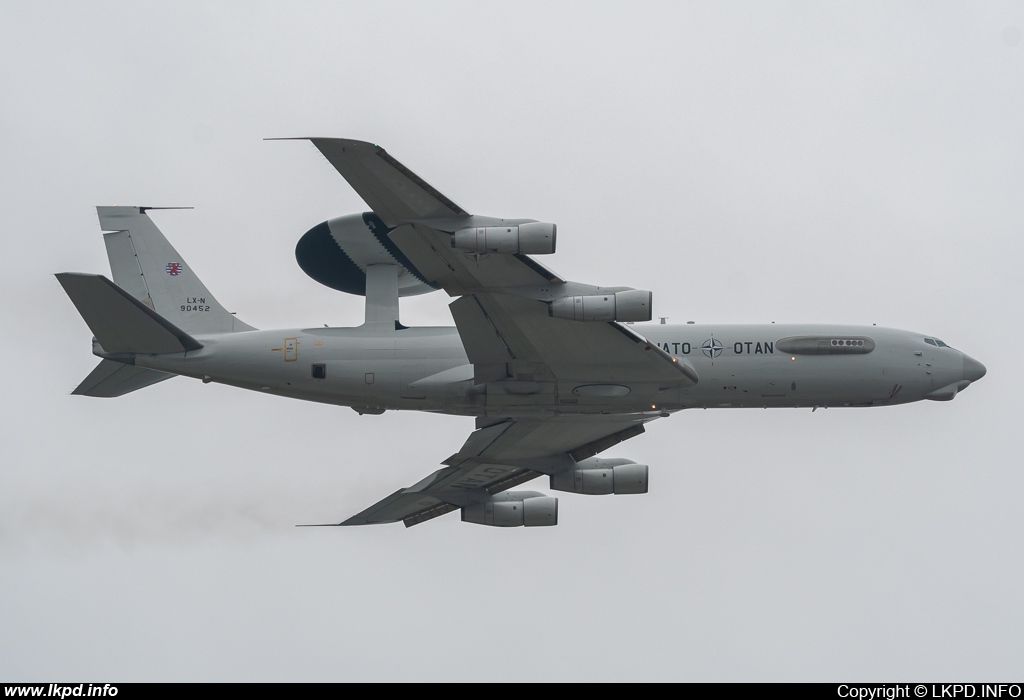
(319, 371)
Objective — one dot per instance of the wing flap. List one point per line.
(400, 505)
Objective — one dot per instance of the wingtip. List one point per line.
(325, 139)
(62, 276)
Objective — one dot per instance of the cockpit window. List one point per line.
(929, 341)
(936, 342)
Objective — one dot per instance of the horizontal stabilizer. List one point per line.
(121, 323)
(111, 379)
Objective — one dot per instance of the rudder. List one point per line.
(145, 264)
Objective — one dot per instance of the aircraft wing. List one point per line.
(420, 220)
(530, 361)
(395, 193)
(502, 316)
(502, 456)
(509, 336)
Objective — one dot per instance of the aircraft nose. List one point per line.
(973, 370)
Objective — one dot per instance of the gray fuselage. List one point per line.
(739, 366)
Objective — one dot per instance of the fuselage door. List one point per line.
(291, 349)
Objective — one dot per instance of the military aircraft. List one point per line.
(555, 372)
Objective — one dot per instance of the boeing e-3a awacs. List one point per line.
(554, 371)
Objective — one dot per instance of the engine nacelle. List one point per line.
(532, 239)
(599, 477)
(513, 509)
(632, 305)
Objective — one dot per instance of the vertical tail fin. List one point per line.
(146, 265)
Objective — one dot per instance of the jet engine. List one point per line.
(513, 509)
(631, 305)
(599, 477)
(532, 239)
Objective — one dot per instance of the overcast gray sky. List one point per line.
(748, 162)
